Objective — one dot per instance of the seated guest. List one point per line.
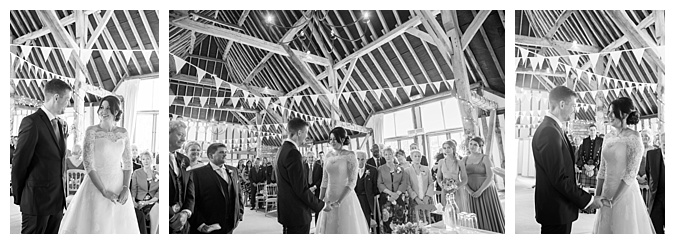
(414, 146)
(144, 190)
(642, 174)
(193, 151)
(401, 159)
(74, 161)
(135, 158)
(421, 188)
(392, 181)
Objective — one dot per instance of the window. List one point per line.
(451, 114)
(398, 123)
(146, 131)
(432, 119)
(435, 144)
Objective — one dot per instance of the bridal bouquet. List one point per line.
(409, 228)
(449, 185)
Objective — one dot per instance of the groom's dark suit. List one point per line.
(216, 201)
(296, 201)
(657, 189)
(557, 198)
(38, 171)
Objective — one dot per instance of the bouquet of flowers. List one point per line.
(409, 228)
(395, 210)
(449, 185)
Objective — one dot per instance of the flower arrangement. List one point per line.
(449, 185)
(409, 228)
(395, 210)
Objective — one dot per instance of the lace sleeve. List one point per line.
(351, 170)
(602, 172)
(634, 151)
(324, 175)
(88, 149)
(126, 155)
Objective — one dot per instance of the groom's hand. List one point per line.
(597, 203)
(124, 195)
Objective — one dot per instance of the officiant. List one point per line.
(588, 159)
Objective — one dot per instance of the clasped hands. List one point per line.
(600, 202)
(121, 198)
(331, 205)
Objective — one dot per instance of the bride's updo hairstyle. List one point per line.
(114, 105)
(340, 135)
(625, 105)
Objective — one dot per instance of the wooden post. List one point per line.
(660, 40)
(489, 134)
(78, 93)
(500, 143)
(598, 99)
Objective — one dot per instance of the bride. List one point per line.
(342, 214)
(624, 211)
(102, 204)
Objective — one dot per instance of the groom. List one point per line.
(38, 167)
(557, 197)
(296, 201)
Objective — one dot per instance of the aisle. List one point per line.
(14, 217)
(525, 222)
(255, 222)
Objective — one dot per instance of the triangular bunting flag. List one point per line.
(346, 96)
(85, 55)
(297, 99)
(554, 61)
(593, 57)
(314, 98)
(200, 74)
(378, 93)
(574, 60)
(246, 93)
(147, 54)
(127, 55)
(593, 93)
(106, 54)
(517, 62)
(283, 99)
(219, 101)
(25, 51)
(233, 89)
(203, 101)
(437, 84)
(217, 81)
(235, 101)
(393, 90)
(251, 101)
(187, 100)
(171, 99)
(266, 101)
(407, 90)
(424, 88)
(179, 62)
(45, 52)
(616, 57)
(362, 94)
(638, 54)
(66, 53)
(533, 63)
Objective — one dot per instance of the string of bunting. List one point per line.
(85, 54)
(247, 128)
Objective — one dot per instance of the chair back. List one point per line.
(261, 188)
(426, 210)
(75, 178)
(271, 190)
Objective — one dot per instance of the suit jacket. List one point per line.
(140, 187)
(427, 183)
(296, 201)
(371, 162)
(369, 182)
(588, 151)
(38, 166)
(215, 200)
(181, 188)
(655, 169)
(257, 175)
(268, 174)
(557, 198)
(399, 182)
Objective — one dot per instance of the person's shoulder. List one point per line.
(120, 130)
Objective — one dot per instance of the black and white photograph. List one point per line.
(590, 123)
(336, 121)
(83, 120)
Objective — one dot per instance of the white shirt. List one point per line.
(50, 116)
(222, 171)
(560, 123)
(361, 171)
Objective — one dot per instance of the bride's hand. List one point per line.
(109, 195)
(124, 195)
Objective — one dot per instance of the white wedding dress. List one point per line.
(89, 212)
(628, 214)
(348, 218)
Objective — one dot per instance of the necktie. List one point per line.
(174, 165)
(309, 173)
(222, 174)
(57, 131)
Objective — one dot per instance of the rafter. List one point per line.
(210, 82)
(246, 39)
(242, 18)
(559, 22)
(543, 42)
(99, 29)
(476, 24)
(637, 38)
(68, 20)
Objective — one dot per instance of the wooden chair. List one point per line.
(271, 199)
(426, 210)
(75, 178)
(260, 195)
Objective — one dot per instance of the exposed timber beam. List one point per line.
(528, 71)
(68, 20)
(471, 31)
(561, 19)
(211, 30)
(636, 37)
(543, 42)
(99, 29)
(240, 22)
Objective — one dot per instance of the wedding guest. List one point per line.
(656, 175)
(145, 190)
(218, 200)
(421, 188)
(401, 159)
(193, 151)
(12, 147)
(270, 176)
(135, 158)
(588, 158)
(414, 146)
(376, 160)
(434, 173)
(646, 135)
(256, 176)
(314, 176)
(452, 168)
(484, 200)
(393, 181)
(181, 186)
(366, 187)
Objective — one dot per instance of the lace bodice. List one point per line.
(103, 150)
(621, 156)
(340, 169)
